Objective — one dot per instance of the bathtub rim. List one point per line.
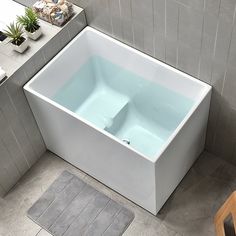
(206, 88)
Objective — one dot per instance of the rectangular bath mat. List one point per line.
(70, 207)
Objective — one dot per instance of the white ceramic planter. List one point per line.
(21, 48)
(35, 35)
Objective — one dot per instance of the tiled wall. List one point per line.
(21, 143)
(195, 36)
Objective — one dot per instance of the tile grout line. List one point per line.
(228, 51)
(121, 23)
(111, 17)
(215, 42)
(177, 50)
(153, 29)
(132, 20)
(202, 33)
(165, 17)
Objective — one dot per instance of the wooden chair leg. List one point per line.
(228, 208)
(220, 231)
(234, 220)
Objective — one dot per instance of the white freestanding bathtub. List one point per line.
(130, 121)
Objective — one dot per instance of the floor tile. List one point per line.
(188, 212)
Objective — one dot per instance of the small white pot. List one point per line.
(21, 48)
(35, 35)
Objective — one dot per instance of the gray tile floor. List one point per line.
(188, 212)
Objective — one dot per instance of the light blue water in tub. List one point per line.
(124, 104)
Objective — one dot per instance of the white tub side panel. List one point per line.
(95, 153)
(182, 152)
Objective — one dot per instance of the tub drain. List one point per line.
(126, 141)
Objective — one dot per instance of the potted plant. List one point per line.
(15, 33)
(30, 23)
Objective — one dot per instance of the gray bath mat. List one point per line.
(70, 207)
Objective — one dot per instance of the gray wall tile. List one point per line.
(9, 174)
(171, 38)
(34, 64)
(230, 87)
(225, 136)
(212, 120)
(23, 112)
(146, 18)
(138, 36)
(127, 22)
(128, 31)
(171, 52)
(142, 17)
(10, 113)
(221, 53)
(160, 47)
(51, 48)
(159, 15)
(227, 9)
(188, 59)
(101, 17)
(21, 143)
(223, 38)
(172, 20)
(149, 46)
(64, 37)
(218, 73)
(190, 27)
(212, 6)
(116, 19)
(207, 48)
(11, 143)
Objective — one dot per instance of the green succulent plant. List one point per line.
(15, 33)
(29, 20)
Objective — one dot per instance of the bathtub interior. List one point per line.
(134, 109)
(132, 97)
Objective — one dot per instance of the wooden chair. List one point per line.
(227, 209)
